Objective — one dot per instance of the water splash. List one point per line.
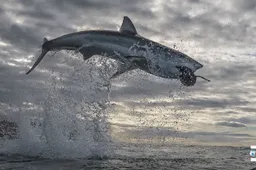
(70, 120)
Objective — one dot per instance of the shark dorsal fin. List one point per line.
(128, 27)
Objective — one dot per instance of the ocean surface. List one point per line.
(141, 156)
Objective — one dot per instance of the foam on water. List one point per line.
(70, 119)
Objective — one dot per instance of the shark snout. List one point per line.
(193, 66)
(197, 65)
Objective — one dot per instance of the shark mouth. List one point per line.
(187, 76)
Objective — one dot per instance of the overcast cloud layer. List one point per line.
(219, 34)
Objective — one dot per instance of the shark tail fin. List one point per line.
(39, 59)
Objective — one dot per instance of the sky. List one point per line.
(218, 34)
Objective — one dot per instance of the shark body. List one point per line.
(132, 50)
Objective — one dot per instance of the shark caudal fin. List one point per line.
(43, 53)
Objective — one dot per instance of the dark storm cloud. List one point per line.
(37, 13)
(108, 7)
(206, 26)
(245, 6)
(82, 4)
(195, 1)
(46, 15)
(1, 11)
(20, 37)
(231, 124)
(23, 37)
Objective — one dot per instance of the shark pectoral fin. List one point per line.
(88, 51)
(131, 63)
(87, 55)
(122, 68)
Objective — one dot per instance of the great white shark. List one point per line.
(132, 50)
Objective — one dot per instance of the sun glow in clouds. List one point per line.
(3, 44)
(21, 60)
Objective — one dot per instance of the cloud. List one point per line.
(242, 120)
(246, 6)
(212, 103)
(199, 136)
(231, 124)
